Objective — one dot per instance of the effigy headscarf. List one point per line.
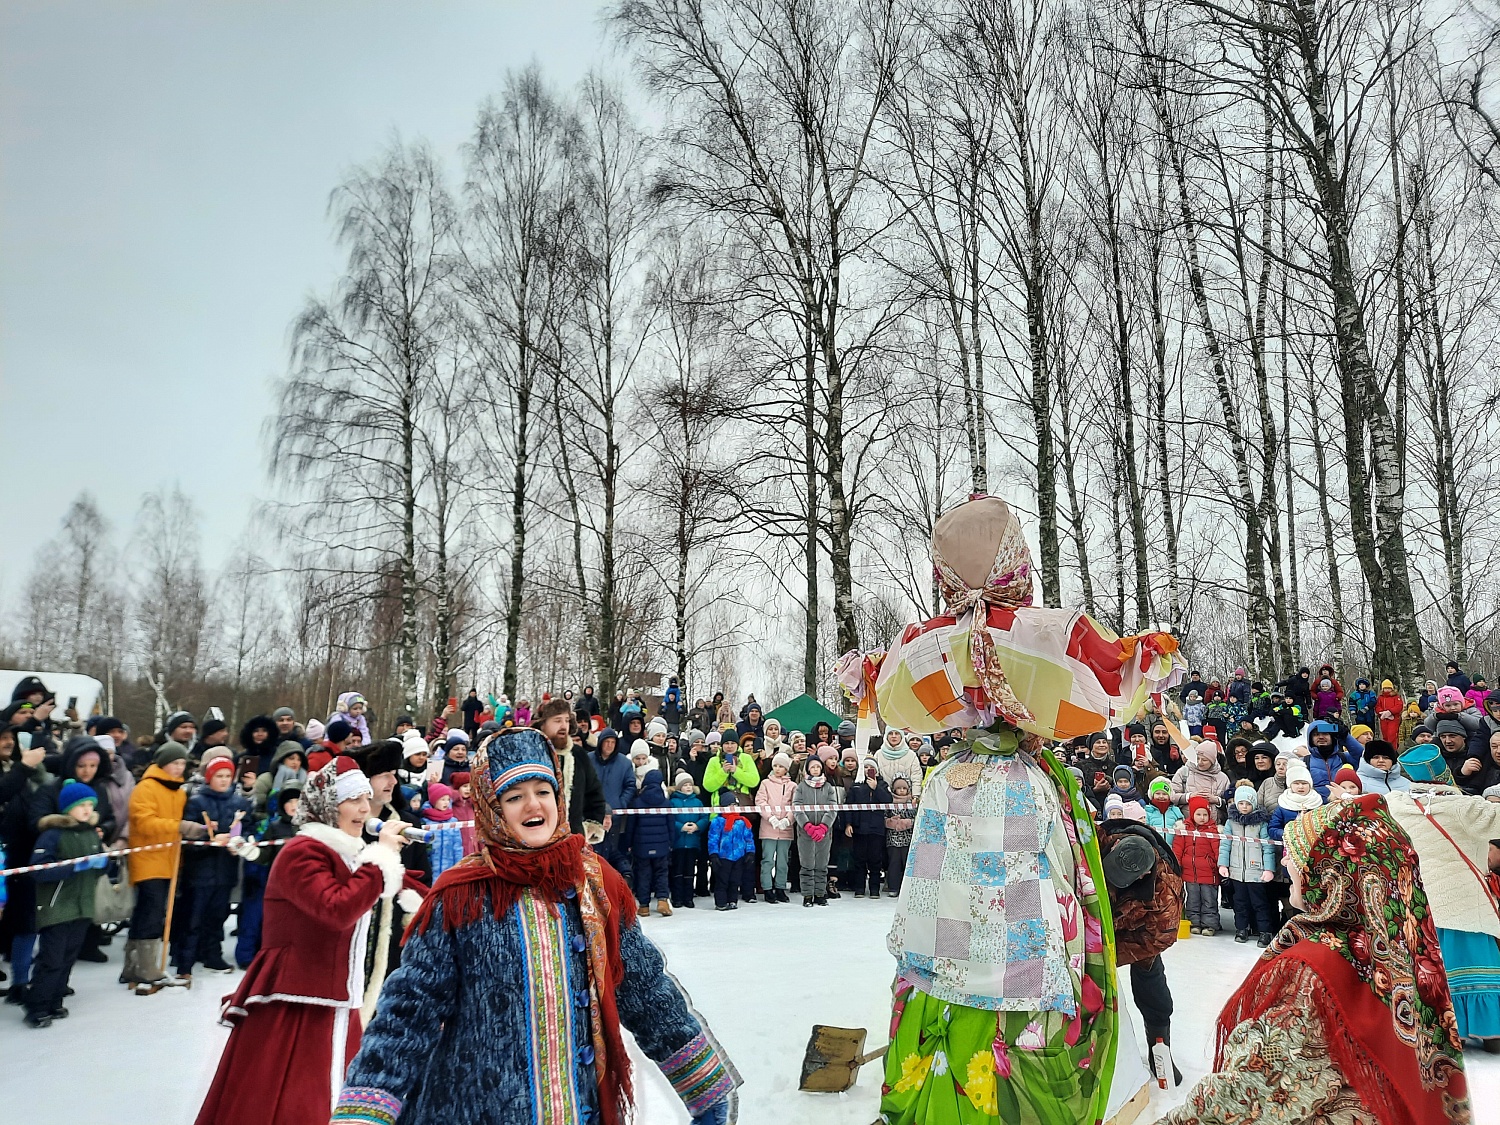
(1056, 673)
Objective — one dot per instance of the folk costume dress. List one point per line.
(517, 975)
(1004, 1001)
(1347, 1018)
(296, 1014)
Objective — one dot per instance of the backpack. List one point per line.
(1147, 912)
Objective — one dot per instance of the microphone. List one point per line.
(418, 835)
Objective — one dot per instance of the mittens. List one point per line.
(816, 832)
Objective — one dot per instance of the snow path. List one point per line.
(761, 976)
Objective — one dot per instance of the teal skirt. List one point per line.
(1473, 964)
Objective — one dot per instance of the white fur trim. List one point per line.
(408, 900)
(336, 838)
(388, 862)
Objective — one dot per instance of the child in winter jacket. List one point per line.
(1362, 703)
(815, 830)
(1161, 813)
(210, 874)
(731, 847)
(1300, 797)
(689, 833)
(649, 840)
(64, 897)
(866, 830)
(1247, 859)
(1197, 849)
(776, 827)
(446, 847)
(1194, 711)
(898, 828)
(1202, 777)
(1124, 788)
(463, 810)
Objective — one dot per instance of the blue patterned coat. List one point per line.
(461, 1035)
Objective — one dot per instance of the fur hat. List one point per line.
(382, 756)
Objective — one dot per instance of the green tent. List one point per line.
(801, 713)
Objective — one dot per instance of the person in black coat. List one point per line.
(867, 830)
(24, 772)
(81, 760)
(648, 839)
(258, 741)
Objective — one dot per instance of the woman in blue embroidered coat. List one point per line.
(517, 975)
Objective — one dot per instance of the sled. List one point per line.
(833, 1058)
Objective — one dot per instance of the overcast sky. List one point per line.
(165, 170)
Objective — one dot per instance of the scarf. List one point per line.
(435, 814)
(814, 782)
(1369, 936)
(1008, 586)
(504, 870)
(1302, 803)
(893, 753)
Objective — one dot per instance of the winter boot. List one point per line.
(664, 908)
(149, 977)
(1242, 937)
(643, 910)
(807, 900)
(819, 901)
(1264, 941)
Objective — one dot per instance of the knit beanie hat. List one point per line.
(438, 789)
(1114, 803)
(1347, 773)
(1127, 772)
(412, 744)
(1196, 803)
(217, 766)
(1160, 785)
(170, 752)
(695, 735)
(459, 778)
(75, 793)
(655, 727)
(827, 754)
(1244, 793)
(713, 738)
(683, 775)
(1359, 729)
(455, 735)
(283, 713)
(315, 730)
(782, 759)
(1449, 695)
(1297, 770)
(338, 730)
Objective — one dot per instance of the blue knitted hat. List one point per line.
(515, 756)
(75, 793)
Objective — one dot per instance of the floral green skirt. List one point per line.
(947, 1066)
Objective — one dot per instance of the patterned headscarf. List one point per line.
(339, 781)
(1008, 586)
(503, 761)
(1365, 902)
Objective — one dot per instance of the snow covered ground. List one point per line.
(762, 976)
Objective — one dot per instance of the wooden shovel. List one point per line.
(834, 1056)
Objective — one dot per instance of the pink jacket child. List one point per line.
(776, 791)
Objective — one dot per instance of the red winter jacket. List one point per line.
(1197, 848)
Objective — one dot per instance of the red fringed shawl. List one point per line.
(606, 904)
(1382, 1069)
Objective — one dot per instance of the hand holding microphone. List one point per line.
(394, 834)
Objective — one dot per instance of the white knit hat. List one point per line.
(1296, 770)
(412, 743)
(782, 759)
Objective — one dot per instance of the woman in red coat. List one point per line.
(295, 1014)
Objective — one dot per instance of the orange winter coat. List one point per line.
(155, 818)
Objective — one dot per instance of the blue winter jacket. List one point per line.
(214, 867)
(461, 1005)
(1374, 780)
(733, 845)
(650, 835)
(1323, 768)
(616, 777)
(691, 841)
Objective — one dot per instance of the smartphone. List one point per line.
(453, 701)
(72, 702)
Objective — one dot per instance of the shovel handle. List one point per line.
(872, 1056)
